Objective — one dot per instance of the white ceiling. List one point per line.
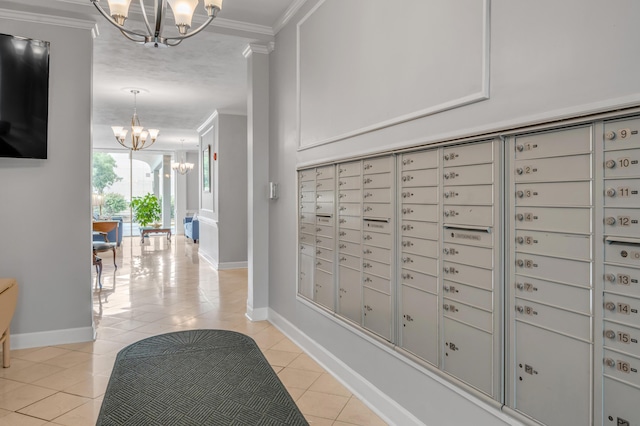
(183, 85)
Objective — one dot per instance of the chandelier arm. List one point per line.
(128, 147)
(122, 29)
(131, 37)
(160, 9)
(192, 33)
(144, 15)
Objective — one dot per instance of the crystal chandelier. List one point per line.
(182, 12)
(182, 166)
(138, 134)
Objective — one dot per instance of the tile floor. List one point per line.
(160, 288)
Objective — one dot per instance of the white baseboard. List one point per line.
(260, 314)
(385, 407)
(210, 260)
(52, 338)
(232, 265)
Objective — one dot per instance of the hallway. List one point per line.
(159, 288)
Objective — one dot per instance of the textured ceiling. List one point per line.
(183, 85)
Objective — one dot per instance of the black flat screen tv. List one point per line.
(24, 97)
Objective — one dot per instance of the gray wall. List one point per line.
(45, 218)
(548, 60)
(223, 214)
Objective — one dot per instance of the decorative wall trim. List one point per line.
(260, 314)
(232, 265)
(481, 95)
(288, 15)
(48, 19)
(252, 48)
(210, 260)
(51, 338)
(207, 123)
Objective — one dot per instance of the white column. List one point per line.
(166, 190)
(258, 179)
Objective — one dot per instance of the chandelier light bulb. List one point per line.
(183, 13)
(119, 10)
(138, 134)
(154, 134)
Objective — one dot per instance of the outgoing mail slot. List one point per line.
(469, 255)
(553, 194)
(349, 235)
(377, 283)
(374, 225)
(414, 178)
(468, 355)
(349, 182)
(419, 160)
(377, 210)
(555, 269)
(353, 249)
(468, 215)
(622, 250)
(480, 298)
(554, 143)
(420, 195)
(376, 268)
(482, 237)
(619, 279)
(622, 309)
(622, 192)
(467, 314)
(350, 261)
(380, 195)
(565, 322)
(376, 239)
(622, 337)
(326, 172)
(560, 219)
(376, 253)
(353, 168)
(325, 196)
(420, 281)
(350, 196)
(624, 222)
(426, 265)
(562, 295)
(461, 155)
(576, 167)
(350, 209)
(419, 246)
(325, 184)
(378, 180)
(468, 175)
(324, 220)
(426, 230)
(624, 163)
(472, 275)
(621, 134)
(622, 367)
(422, 212)
(620, 403)
(469, 194)
(377, 165)
(553, 244)
(350, 222)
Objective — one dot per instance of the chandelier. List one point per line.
(138, 134)
(182, 12)
(182, 166)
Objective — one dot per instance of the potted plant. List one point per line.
(146, 209)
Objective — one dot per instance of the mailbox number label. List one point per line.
(624, 279)
(624, 308)
(625, 367)
(623, 337)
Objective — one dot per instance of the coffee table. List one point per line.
(146, 230)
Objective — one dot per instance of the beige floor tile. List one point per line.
(321, 404)
(69, 359)
(54, 406)
(296, 393)
(32, 373)
(44, 354)
(300, 379)
(9, 385)
(286, 345)
(4, 412)
(23, 396)
(326, 383)
(305, 362)
(279, 358)
(16, 419)
(318, 421)
(62, 379)
(89, 388)
(84, 415)
(355, 412)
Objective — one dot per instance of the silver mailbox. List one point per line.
(378, 254)
(478, 277)
(622, 250)
(560, 219)
(469, 255)
(622, 338)
(377, 268)
(480, 298)
(350, 196)
(350, 209)
(477, 153)
(376, 210)
(468, 215)
(377, 312)
(325, 184)
(470, 315)
(422, 212)
(417, 263)
(350, 222)
(352, 235)
(420, 323)
(354, 249)
(468, 236)
(577, 299)
(618, 279)
(413, 178)
(622, 163)
(349, 182)
(383, 285)
(577, 167)
(574, 246)
(552, 318)
(575, 272)
(426, 230)
(468, 175)
(377, 165)
(377, 239)
(622, 309)
(419, 246)
(419, 160)
(424, 282)
(554, 143)
(469, 194)
(625, 222)
(620, 404)
(420, 195)
(622, 192)
(622, 367)
(378, 180)
(350, 169)
(553, 194)
(379, 195)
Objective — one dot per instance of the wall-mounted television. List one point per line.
(24, 97)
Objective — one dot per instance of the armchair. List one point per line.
(191, 228)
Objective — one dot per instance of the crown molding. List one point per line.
(48, 19)
(288, 15)
(207, 123)
(265, 49)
